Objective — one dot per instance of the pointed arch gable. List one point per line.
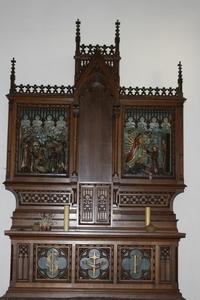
(97, 67)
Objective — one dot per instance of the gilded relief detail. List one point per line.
(136, 263)
(94, 263)
(52, 262)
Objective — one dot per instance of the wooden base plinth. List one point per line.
(30, 280)
(22, 294)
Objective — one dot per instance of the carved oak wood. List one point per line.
(108, 152)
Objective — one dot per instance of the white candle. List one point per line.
(147, 216)
(66, 217)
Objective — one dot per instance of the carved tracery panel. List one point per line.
(23, 262)
(95, 203)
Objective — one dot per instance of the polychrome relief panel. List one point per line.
(136, 263)
(148, 142)
(42, 139)
(94, 263)
(52, 262)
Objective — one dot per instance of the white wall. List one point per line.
(155, 35)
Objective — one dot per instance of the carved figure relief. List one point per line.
(148, 142)
(43, 140)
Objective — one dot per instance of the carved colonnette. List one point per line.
(108, 153)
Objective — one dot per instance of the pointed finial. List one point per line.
(78, 36)
(12, 75)
(117, 37)
(180, 78)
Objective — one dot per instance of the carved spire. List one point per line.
(117, 36)
(78, 36)
(12, 76)
(180, 78)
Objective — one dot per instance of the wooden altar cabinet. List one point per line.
(95, 168)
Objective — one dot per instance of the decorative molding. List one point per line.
(144, 199)
(69, 90)
(143, 91)
(92, 49)
(43, 90)
(37, 197)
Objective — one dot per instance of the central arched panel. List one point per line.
(95, 135)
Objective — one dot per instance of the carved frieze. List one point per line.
(143, 91)
(38, 197)
(53, 90)
(159, 199)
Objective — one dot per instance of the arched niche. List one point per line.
(95, 130)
